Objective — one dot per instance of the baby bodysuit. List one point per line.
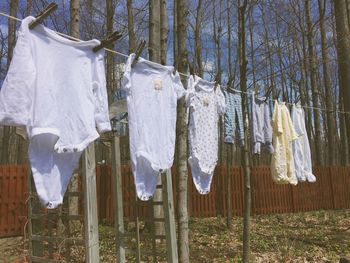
(205, 105)
(233, 118)
(301, 147)
(152, 92)
(282, 162)
(261, 129)
(56, 88)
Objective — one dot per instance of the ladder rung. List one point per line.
(73, 217)
(160, 237)
(159, 219)
(159, 186)
(75, 241)
(69, 217)
(45, 260)
(157, 203)
(70, 194)
(146, 253)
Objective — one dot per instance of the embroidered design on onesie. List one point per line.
(205, 105)
(158, 84)
(152, 92)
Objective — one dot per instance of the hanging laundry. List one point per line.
(152, 92)
(261, 129)
(205, 105)
(233, 118)
(301, 147)
(282, 163)
(56, 88)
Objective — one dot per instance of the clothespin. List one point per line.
(192, 72)
(297, 99)
(268, 92)
(138, 52)
(108, 40)
(46, 12)
(256, 90)
(278, 94)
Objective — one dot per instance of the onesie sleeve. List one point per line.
(126, 81)
(220, 100)
(16, 94)
(100, 94)
(296, 122)
(177, 85)
(293, 134)
(277, 119)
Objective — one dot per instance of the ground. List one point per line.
(321, 236)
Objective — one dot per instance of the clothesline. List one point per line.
(181, 73)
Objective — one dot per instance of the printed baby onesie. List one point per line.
(233, 118)
(282, 163)
(301, 147)
(56, 88)
(205, 105)
(261, 129)
(152, 92)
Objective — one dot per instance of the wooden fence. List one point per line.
(13, 196)
(331, 191)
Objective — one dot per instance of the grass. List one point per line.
(321, 236)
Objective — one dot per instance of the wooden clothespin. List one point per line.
(285, 97)
(46, 12)
(278, 94)
(139, 49)
(268, 92)
(297, 99)
(108, 40)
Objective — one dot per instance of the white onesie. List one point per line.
(152, 93)
(205, 105)
(56, 88)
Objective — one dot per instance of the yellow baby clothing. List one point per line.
(282, 164)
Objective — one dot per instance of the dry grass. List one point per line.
(321, 236)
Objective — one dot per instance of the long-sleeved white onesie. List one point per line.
(152, 92)
(56, 88)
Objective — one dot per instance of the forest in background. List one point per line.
(297, 49)
(291, 48)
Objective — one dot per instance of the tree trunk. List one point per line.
(198, 40)
(154, 30)
(343, 51)
(330, 116)
(131, 32)
(8, 131)
(73, 202)
(315, 92)
(29, 7)
(245, 157)
(229, 147)
(154, 47)
(181, 128)
(110, 6)
(163, 32)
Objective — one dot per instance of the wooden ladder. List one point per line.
(168, 220)
(45, 244)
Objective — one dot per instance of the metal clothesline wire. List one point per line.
(183, 74)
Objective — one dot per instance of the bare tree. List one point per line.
(246, 163)
(131, 32)
(10, 149)
(315, 91)
(327, 84)
(181, 138)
